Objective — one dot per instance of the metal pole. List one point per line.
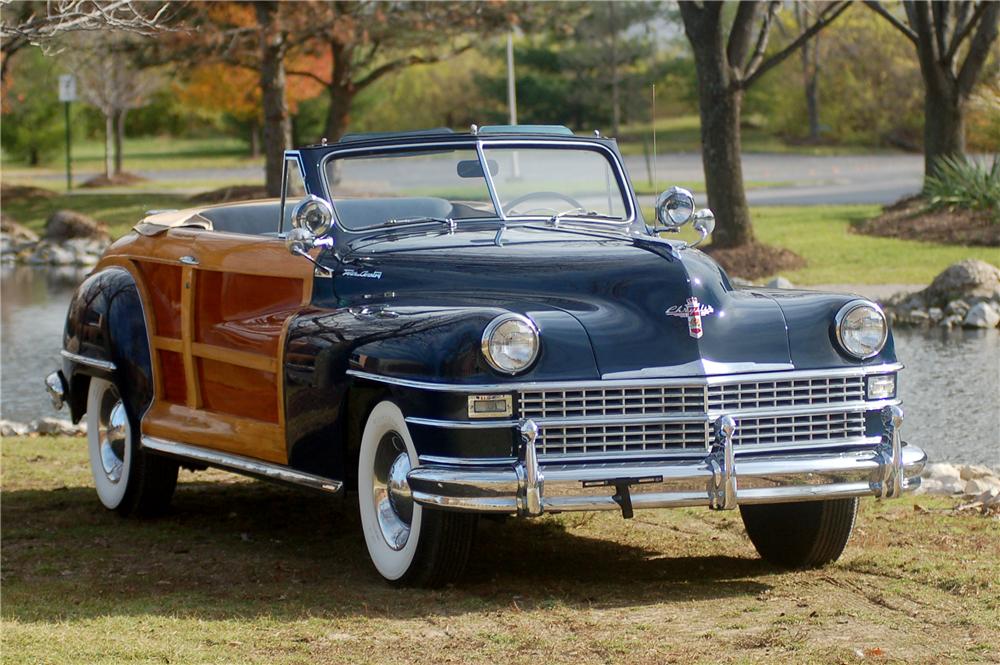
(511, 92)
(69, 167)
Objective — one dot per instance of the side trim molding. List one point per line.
(240, 464)
(105, 365)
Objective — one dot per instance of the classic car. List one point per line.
(454, 325)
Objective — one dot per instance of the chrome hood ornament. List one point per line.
(692, 311)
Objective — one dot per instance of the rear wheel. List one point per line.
(407, 543)
(128, 479)
(806, 534)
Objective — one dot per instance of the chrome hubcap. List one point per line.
(390, 491)
(113, 435)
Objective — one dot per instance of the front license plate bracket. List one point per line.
(623, 491)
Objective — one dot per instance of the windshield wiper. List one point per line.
(580, 212)
(423, 220)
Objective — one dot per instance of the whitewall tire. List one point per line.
(407, 543)
(128, 480)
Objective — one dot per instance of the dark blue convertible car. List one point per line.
(455, 325)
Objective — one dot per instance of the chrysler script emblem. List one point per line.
(692, 311)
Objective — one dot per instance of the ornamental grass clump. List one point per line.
(964, 183)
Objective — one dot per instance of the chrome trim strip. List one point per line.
(433, 460)
(241, 464)
(687, 417)
(462, 424)
(698, 368)
(862, 370)
(105, 365)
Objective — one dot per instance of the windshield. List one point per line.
(532, 182)
(439, 184)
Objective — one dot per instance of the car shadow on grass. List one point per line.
(247, 549)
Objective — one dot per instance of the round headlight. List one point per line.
(510, 343)
(861, 328)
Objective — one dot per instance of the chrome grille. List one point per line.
(625, 438)
(627, 401)
(622, 414)
(792, 392)
(799, 429)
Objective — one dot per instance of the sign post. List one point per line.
(67, 95)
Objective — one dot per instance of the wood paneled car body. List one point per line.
(461, 324)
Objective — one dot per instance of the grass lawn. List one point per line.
(119, 211)
(148, 153)
(821, 235)
(241, 571)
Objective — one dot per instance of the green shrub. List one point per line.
(965, 183)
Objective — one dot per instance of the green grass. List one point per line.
(241, 571)
(119, 211)
(152, 153)
(683, 134)
(821, 235)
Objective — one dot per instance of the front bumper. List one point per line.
(721, 480)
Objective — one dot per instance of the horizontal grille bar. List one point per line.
(624, 402)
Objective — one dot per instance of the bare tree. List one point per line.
(941, 33)
(111, 82)
(38, 23)
(727, 66)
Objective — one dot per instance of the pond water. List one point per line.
(950, 388)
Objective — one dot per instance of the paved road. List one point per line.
(877, 179)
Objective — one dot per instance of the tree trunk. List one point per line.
(277, 129)
(339, 114)
(809, 54)
(255, 139)
(719, 105)
(119, 140)
(944, 127)
(109, 149)
(616, 106)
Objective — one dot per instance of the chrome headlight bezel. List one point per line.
(843, 317)
(527, 326)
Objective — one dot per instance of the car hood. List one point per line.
(632, 296)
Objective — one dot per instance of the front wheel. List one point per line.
(128, 479)
(408, 544)
(805, 534)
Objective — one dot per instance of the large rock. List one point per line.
(11, 428)
(68, 224)
(964, 280)
(16, 232)
(982, 315)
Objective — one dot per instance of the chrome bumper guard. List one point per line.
(721, 480)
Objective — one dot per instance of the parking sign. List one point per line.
(67, 88)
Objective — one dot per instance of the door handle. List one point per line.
(189, 260)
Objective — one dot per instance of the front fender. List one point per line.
(105, 323)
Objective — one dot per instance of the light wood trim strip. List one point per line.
(187, 337)
(162, 343)
(258, 361)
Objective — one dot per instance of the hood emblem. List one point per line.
(692, 311)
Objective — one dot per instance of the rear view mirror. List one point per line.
(471, 168)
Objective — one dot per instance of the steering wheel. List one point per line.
(539, 195)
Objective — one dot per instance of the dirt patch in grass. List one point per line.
(242, 571)
(912, 219)
(756, 260)
(19, 193)
(229, 194)
(122, 179)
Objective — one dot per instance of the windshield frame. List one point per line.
(480, 145)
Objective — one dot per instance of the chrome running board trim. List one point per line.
(105, 365)
(243, 465)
